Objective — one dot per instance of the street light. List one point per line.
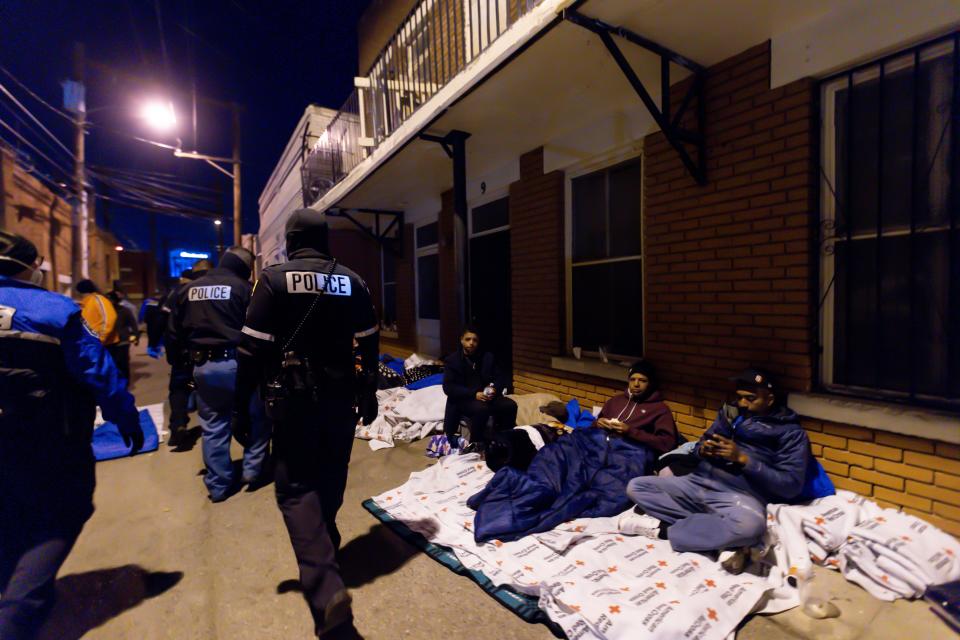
(159, 115)
(219, 225)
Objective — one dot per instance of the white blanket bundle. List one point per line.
(590, 579)
(890, 554)
(404, 415)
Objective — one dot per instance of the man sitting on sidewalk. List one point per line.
(475, 386)
(753, 454)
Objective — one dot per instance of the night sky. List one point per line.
(273, 58)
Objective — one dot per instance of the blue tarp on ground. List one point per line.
(108, 444)
(581, 475)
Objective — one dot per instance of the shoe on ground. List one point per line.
(473, 447)
(734, 560)
(338, 618)
(176, 437)
(632, 523)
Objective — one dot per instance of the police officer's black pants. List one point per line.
(179, 388)
(311, 454)
(32, 550)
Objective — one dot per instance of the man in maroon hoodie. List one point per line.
(638, 413)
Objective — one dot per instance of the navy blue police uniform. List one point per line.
(305, 317)
(205, 323)
(54, 371)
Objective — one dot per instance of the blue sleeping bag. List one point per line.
(581, 475)
(108, 444)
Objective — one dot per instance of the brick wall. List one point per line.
(729, 282)
(536, 270)
(361, 254)
(451, 319)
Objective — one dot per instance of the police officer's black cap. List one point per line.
(305, 220)
(307, 228)
(751, 379)
(16, 253)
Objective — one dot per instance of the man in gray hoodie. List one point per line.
(753, 454)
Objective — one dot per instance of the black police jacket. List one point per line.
(208, 313)
(304, 306)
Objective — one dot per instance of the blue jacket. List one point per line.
(778, 450)
(52, 366)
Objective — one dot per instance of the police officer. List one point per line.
(181, 384)
(53, 372)
(299, 342)
(205, 322)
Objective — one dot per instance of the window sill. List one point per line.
(590, 367)
(882, 416)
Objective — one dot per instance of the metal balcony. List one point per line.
(436, 41)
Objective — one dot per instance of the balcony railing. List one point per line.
(436, 41)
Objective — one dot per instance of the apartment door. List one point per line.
(490, 302)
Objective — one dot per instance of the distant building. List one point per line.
(31, 208)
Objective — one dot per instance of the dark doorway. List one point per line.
(490, 303)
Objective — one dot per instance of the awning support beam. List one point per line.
(379, 234)
(677, 136)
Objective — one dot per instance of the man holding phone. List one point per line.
(755, 452)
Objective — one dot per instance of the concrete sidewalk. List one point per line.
(158, 560)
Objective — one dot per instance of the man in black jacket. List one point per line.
(298, 341)
(205, 322)
(475, 386)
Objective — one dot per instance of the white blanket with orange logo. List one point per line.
(890, 554)
(591, 580)
(596, 583)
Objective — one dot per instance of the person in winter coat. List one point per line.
(753, 454)
(639, 413)
(127, 329)
(475, 386)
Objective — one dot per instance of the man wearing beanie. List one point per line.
(53, 374)
(205, 322)
(99, 313)
(755, 452)
(639, 413)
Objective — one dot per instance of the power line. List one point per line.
(66, 172)
(182, 213)
(34, 118)
(33, 95)
(27, 125)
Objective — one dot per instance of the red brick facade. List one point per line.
(536, 264)
(729, 282)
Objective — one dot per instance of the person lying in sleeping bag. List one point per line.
(758, 456)
(639, 414)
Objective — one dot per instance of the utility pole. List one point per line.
(80, 250)
(237, 217)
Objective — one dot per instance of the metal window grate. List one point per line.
(890, 265)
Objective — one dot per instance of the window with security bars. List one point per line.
(606, 270)
(890, 250)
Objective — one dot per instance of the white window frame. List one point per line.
(389, 332)
(428, 329)
(828, 213)
(492, 195)
(593, 165)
